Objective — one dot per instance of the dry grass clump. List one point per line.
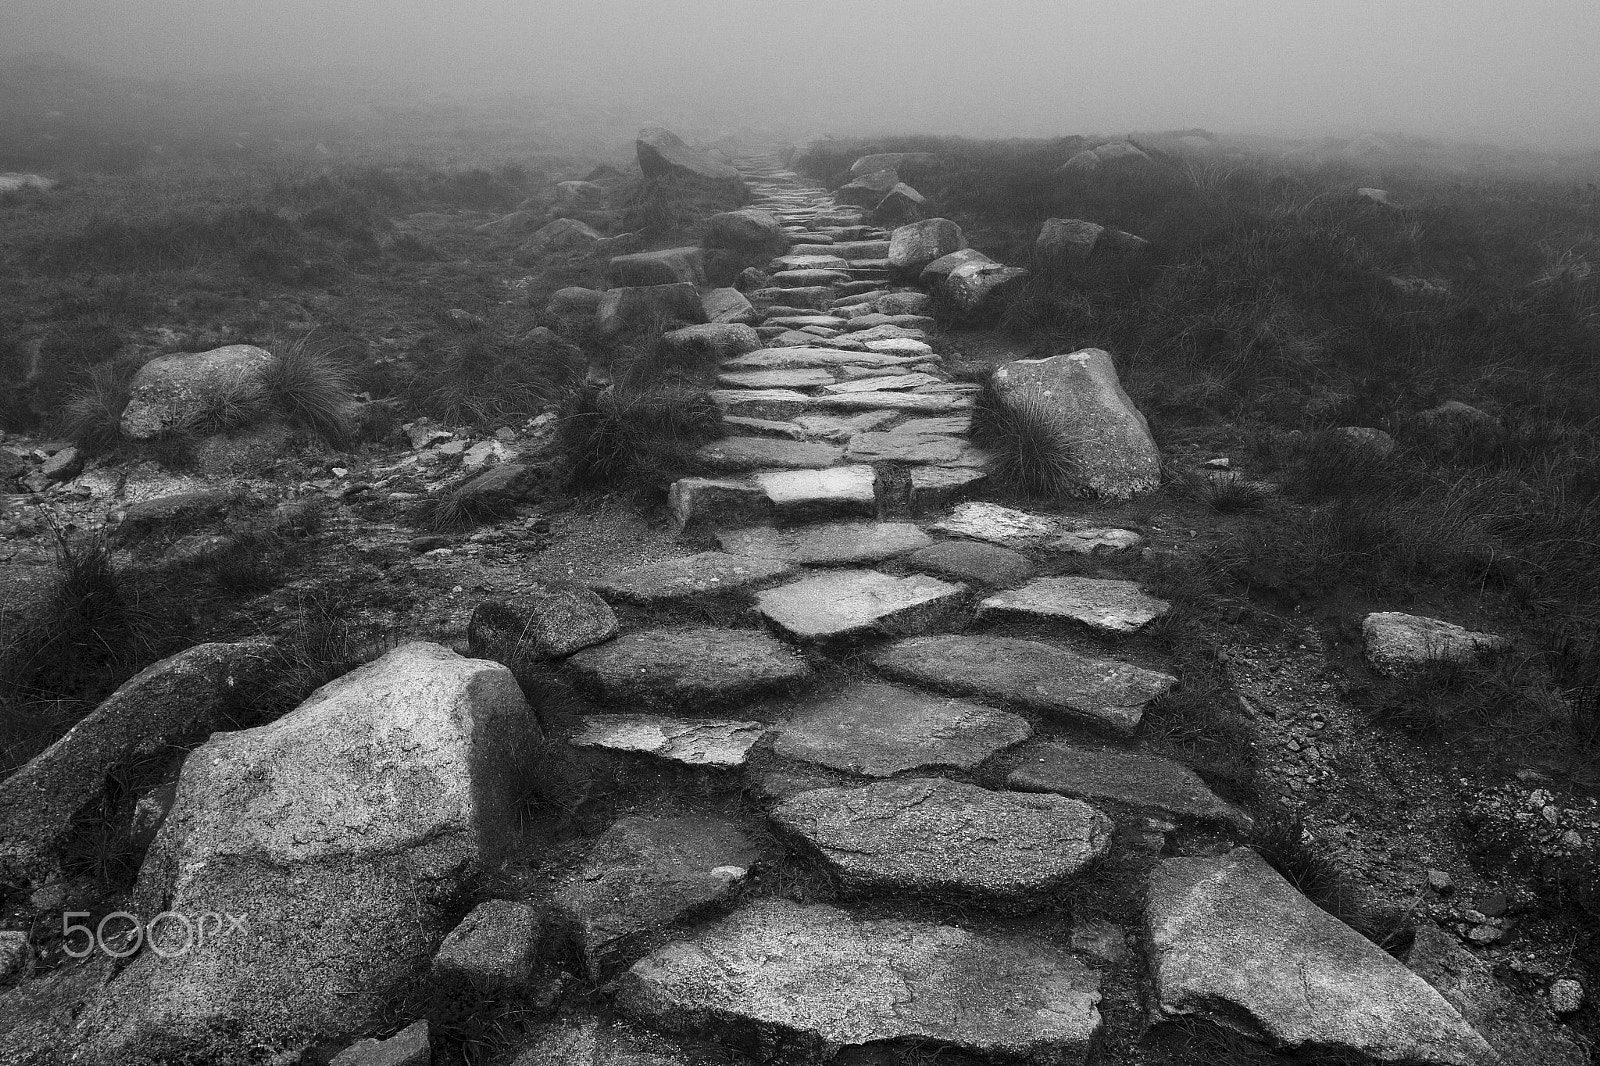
(91, 414)
(311, 381)
(640, 434)
(1280, 839)
(1022, 432)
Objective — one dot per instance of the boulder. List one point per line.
(573, 303)
(904, 303)
(709, 344)
(561, 235)
(1095, 424)
(1231, 941)
(1454, 422)
(1401, 645)
(899, 206)
(867, 190)
(666, 266)
(689, 666)
(337, 835)
(173, 391)
(980, 291)
(167, 707)
(914, 246)
(663, 156)
(872, 164)
(1113, 153)
(1070, 246)
(495, 947)
(748, 231)
(181, 512)
(932, 275)
(545, 620)
(729, 305)
(646, 307)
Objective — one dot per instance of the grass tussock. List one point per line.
(91, 415)
(1023, 434)
(311, 381)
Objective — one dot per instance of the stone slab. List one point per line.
(689, 577)
(933, 487)
(973, 561)
(886, 383)
(691, 741)
(840, 428)
(803, 358)
(692, 665)
(1104, 605)
(991, 522)
(920, 402)
(922, 448)
(761, 403)
(856, 603)
(1096, 540)
(831, 544)
(1136, 778)
(798, 378)
(837, 492)
(767, 453)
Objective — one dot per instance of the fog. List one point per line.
(1472, 69)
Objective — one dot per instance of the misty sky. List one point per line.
(1513, 70)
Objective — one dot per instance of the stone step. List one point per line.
(851, 604)
(816, 495)
(687, 666)
(797, 358)
(991, 522)
(1104, 605)
(689, 577)
(811, 279)
(923, 448)
(1138, 779)
(823, 980)
(973, 562)
(1099, 693)
(940, 838)
(923, 403)
(797, 378)
(829, 544)
(878, 730)
(883, 383)
(933, 488)
(708, 742)
(766, 453)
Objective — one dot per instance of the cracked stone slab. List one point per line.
(886, 383)
(690, 576)
(877, 730)
(856, 603)
(825, 545)
(775, 379)
(935, 836)
(932, 487)
(835, 492)
(973, 561)
(920, 402)
(762, 427)
(1230, 940)
(1106, 605)
(803, 321)
(1136, 778)
(927, 449)
(692, 741)
(687, 666)
(1005, 526)
(646, 873)
(1400, 644)
(818, 979)
(1103, 693)
(765, 453)
(803, 358)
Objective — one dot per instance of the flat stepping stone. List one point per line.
(689, 577)
(761, 403)
(669, 667)
(646, 873)
(980, 564)
(797, 378)
(924, 403)
(807, 358)
(694, 500)
(885, 383)
(1135, 778)
(1108, 606)
(938, 837)
(1402, 644)
(807, 262)
(1228, 939)
(879, 730)
(856, 603)
(899, 346)
(801, 321)
(837, 492)
(806, 279)
(951, 425)
(765, 453)
(924, 448)
(1005, 526)
(840, 428)
(691, 741)
(933, 487)
(821, 980)
(765, 427)
(827, 545)
(1096, 540)
(1028, 673)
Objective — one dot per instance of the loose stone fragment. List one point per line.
(545, 620)
(1400, 644)
(691, 741)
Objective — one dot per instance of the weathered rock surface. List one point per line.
(562, 235)
(636, 307)
(798, 358)
(728, 305)
(173, 704)
(691, 741)
(821, 980)
(923, 448)
(645, 873)
(995, 524)
(666, 266)
(1400, 644)
(318, 828)
(933, 487)
(700, 500)
(879, 730)
(690, 576)
(837, 492)
(171, 392)
(408, 1047)
(920, 402)
(829, 544)
(663, 155)
(977, 563)
(545, 620)
(855, 603)
(687, 666)
(1093, 540)
(1138, 779)
(914, 246)
(1096, 423)
(934, 836)
(767, 453)
(708, 344)
(1231, 941)
(980, 291)
(1110, 606)
(1027, 673)
(495, 946)
(749, 230)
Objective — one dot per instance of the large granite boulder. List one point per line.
(665, 266)
(178, 702)
(646, 306)
(171, 392)
(980, 291)
(914, 246)
(1079, 397)
(709, 343)
(900, 205)
(749, 231)
(1402, 645)
(1231, 941)
(663, 156)
(867, 190)
(1069, 246)
(339, 837)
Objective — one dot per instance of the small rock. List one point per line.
(408, 1047)
(495, 946)
(547, 620)
(1441, 882)
(1399, 644)
(691, 741)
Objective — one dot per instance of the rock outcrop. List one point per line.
(663, 156)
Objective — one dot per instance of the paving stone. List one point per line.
(884, 383)
(836, 492)
(804, 358)
(924, 448)
(827, 545)
(856, 603)
(766, 453)
(1110, 606)
(762, 427)
(820, 980)
(899, 346)
(806, 261)
(1027, 673)
(806, 279)
(980, 564)
(646, 873)
(1135, 778)
(995, 524)
(878, 730)
(925, 403)
(934, 487)
(1095, 540)
(1230, 940)
(775, 379)
(761, 403)
(840, 428)
(689, 577)
(691, 741)
(950, 425)
(670, 667)
(695, 500)
(933, 836)
(801, 321)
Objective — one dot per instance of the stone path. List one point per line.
(975, 768)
